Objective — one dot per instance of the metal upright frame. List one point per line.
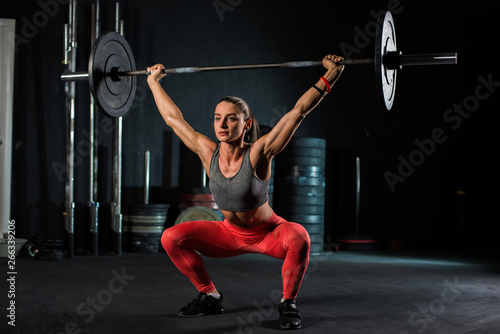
(116, 211)
(70, 47)
(94, 146)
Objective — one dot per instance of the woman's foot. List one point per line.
(289, 315)
(203, 305)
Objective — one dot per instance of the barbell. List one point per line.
(112, 72)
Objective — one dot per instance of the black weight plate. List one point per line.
(307, 142)
(308, 171)
(312, 152)
(317, 248)
(313, 228)
(385, 79)
(111, 53)
(287, 191)
(305, 219)
(300, 181)
(299, 200)
(299, 161)
(148, 209)
(301, 209)
(317, 238)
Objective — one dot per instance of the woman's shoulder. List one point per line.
(257, 153)
(208, 149)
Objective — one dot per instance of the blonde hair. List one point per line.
(253, 133)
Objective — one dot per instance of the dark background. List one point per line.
(423, 211)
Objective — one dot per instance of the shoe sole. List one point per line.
(290, 327)
(197, 315)
(191, 315)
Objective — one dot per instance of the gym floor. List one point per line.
(392, 291)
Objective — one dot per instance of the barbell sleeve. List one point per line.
(75, 76)
(429, 59)
(394, 60)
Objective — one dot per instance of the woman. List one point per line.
(239, 174)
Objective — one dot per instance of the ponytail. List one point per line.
(253, 133)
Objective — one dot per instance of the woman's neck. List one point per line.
(231, 152)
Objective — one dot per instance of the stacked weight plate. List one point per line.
(202, 197)
(299, 186)
(143, 227)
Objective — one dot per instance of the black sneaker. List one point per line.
(202, 305)
(289, 315)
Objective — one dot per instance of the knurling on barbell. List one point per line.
(111, 70)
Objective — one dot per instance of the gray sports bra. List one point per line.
(242, 192)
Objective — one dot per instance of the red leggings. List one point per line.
(217, 239)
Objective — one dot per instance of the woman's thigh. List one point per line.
(210, 238)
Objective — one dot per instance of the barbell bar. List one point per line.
(111, 71)
(398, 62)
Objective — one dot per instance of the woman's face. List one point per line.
(229, 122)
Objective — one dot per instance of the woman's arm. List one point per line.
(276, 140)
(195, 141)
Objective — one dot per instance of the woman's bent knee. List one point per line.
(169, 238)
(298, 237)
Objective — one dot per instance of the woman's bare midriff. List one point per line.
(249, 219)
